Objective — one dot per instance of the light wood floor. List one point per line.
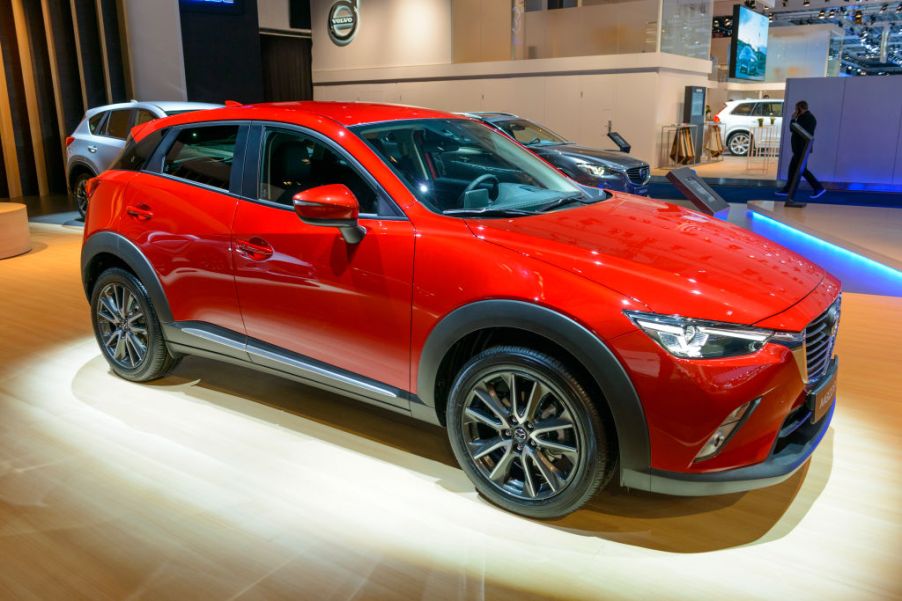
(732, 167)
(220, 483)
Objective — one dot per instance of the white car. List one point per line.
(738, 121)
(101, 135)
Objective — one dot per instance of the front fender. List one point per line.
(588, 349)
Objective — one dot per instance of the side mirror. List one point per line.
(331, 206)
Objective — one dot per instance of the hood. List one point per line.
(669, 259)
(614, 158)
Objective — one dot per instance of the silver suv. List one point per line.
(101, 135)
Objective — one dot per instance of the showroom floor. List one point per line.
(221, 483)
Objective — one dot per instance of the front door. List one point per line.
(303, 289)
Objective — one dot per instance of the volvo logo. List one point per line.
(344, 19)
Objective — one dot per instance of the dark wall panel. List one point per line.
(286, 68)
(222, 55)
(87, 37)
(111, 38)
(59, 19)
(15, 89)
(46, 107)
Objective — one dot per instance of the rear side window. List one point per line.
(136, 154)
(118, 124)
(743, 109)
(95, 122)
(203, 155)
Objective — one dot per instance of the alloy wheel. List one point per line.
(739, 144)
(521, 434)
(123, 326)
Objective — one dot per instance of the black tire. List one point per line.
(122, 333)
(563, 399)
(78, 192)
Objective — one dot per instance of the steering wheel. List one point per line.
(485, 177)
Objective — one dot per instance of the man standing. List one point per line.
(806, 120)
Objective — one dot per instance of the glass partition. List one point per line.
(686, 27)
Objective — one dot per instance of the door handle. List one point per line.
(256, 249)
(92, 148)
(141, 212)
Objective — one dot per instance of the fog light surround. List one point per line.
(725, 431)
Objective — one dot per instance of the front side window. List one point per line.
(529, 134)
(293, 162)
(457, 166)
(203, 155)
(119, 124)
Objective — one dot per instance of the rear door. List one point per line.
(179, 213)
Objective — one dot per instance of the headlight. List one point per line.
(599, 171)
(698, 339)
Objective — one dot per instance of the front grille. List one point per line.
(820, 335)
(638, 175)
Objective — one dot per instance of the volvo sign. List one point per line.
(344, 18)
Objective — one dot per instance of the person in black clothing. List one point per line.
(806, 120)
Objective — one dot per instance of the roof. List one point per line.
(345, 113)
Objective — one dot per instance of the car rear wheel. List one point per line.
(127, 328)
(739, 143)
(80, 194)
(526, 432)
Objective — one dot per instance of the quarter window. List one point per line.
(203, 155)
(293, 162)
(744, 108)
(95, 122)
(136, 154)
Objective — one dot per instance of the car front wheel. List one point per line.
(527, 433)
(127, 328)
(739, 143)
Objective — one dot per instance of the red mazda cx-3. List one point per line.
(422, 262)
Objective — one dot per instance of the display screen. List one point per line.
(748, 59)
(213, 6)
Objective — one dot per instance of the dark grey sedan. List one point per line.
(595, 167)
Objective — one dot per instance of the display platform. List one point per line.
(221, 483)
(873, 232)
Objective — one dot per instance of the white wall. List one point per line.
(576, 106)
(391, 33)
(273, 14)
(154, 34)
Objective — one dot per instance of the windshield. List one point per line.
(529, 134)
(457, 166)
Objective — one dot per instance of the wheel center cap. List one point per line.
(520, 434)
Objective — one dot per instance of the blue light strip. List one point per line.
(871, 263)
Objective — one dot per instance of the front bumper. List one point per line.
(794, 445)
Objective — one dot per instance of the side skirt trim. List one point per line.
(207, 340)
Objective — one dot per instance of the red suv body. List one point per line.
(392, 254)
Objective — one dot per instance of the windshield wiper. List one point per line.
(563, 201)
(488, 212)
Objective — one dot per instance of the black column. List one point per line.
(222, 53)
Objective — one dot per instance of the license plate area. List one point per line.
(821, 398)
